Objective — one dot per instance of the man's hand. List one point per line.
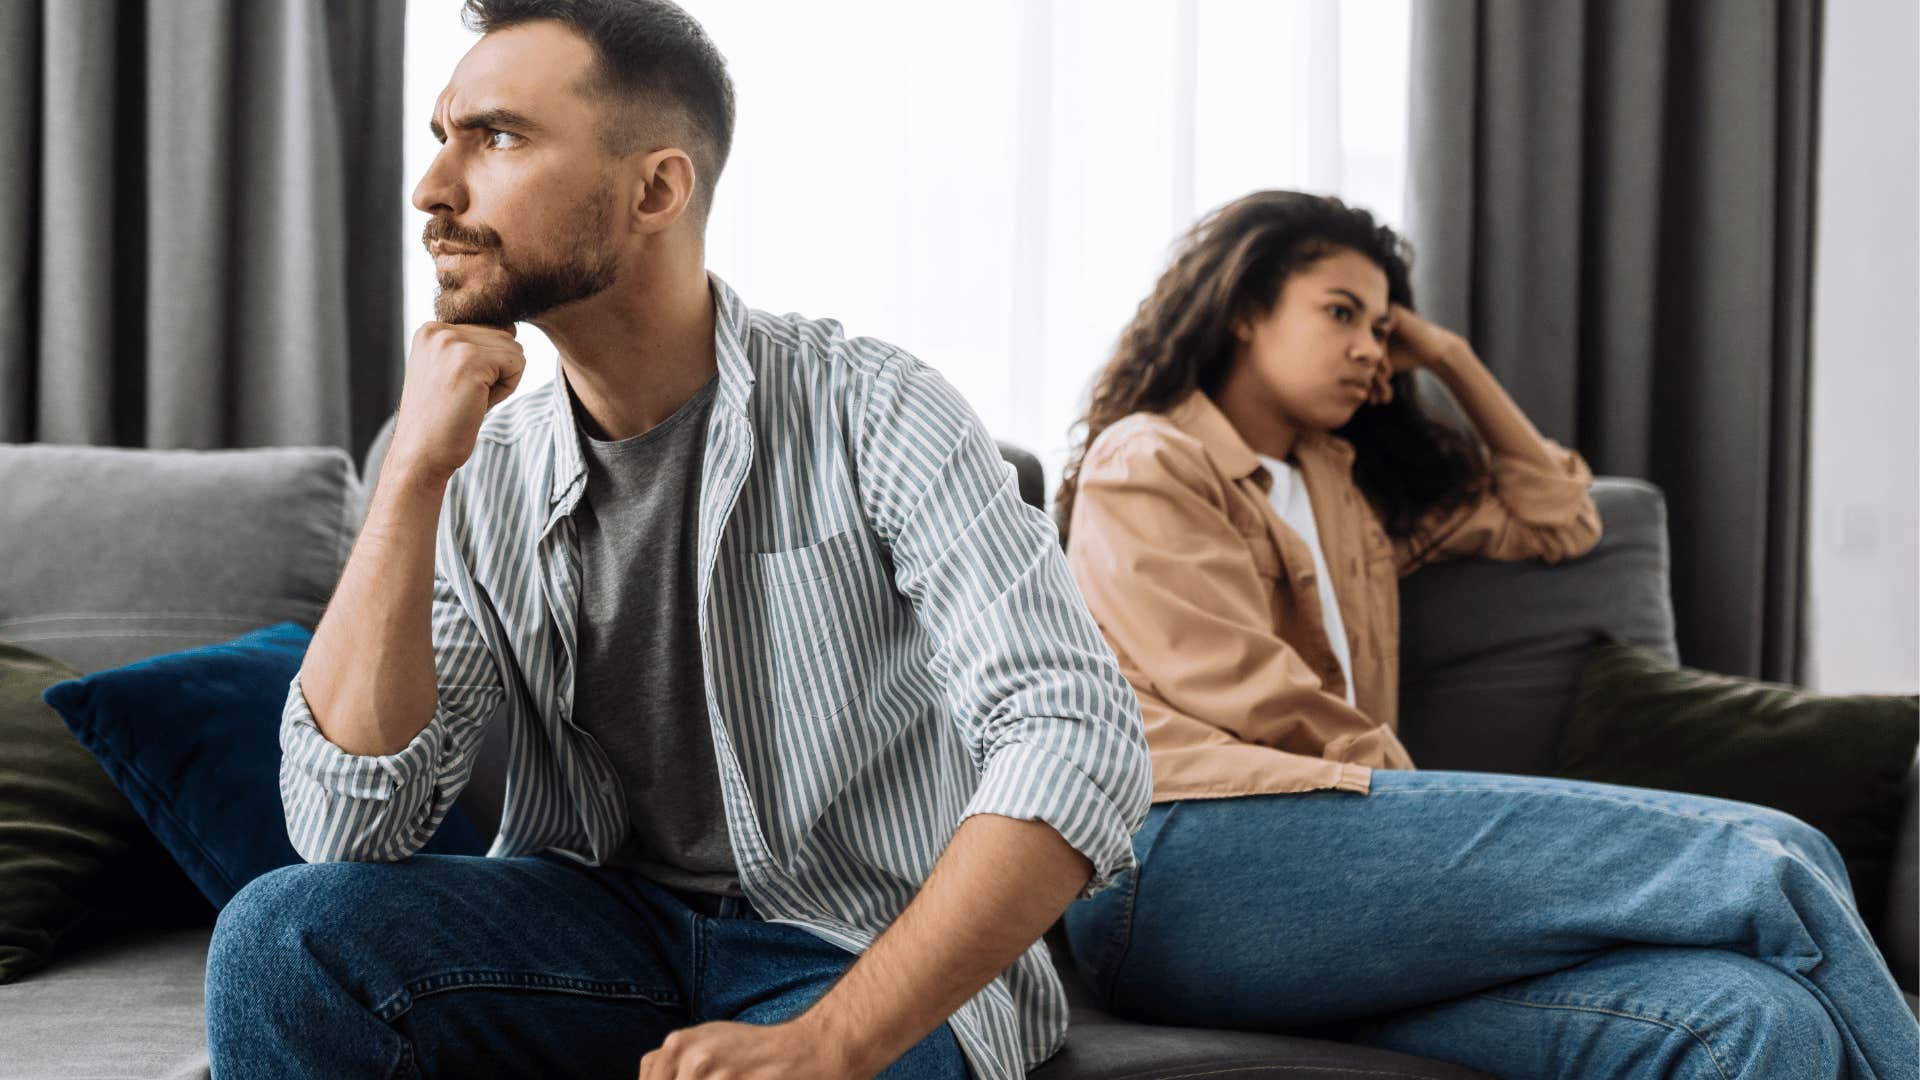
(455, 373)
(725, 1051)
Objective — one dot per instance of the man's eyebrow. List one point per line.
(497, 119)
(1360, 305)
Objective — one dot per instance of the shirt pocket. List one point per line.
(819, 615)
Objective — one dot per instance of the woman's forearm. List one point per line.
(1496, 416)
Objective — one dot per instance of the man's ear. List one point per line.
(663, 189)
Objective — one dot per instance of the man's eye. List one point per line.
(501, 140)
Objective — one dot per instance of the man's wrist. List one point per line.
(851, 1051)
(410, 473)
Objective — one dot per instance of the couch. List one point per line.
(113, 555)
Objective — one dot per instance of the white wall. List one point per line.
(1863, 589)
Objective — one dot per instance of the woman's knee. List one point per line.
(1760, 1021)
(1798, 840)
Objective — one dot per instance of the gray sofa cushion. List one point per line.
(1490, 652)
(115, 555)
(127, 1007)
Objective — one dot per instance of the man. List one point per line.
(811, 736)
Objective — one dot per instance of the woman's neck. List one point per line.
(1256, 416)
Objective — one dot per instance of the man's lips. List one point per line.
(441, 247)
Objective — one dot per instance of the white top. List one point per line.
(1289, 499)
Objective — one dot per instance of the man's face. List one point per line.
(522, 198)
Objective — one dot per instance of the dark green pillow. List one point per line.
(69, 841)
(1837, 763)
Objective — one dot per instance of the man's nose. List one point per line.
(440, 190)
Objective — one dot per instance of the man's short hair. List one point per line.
(654, 63)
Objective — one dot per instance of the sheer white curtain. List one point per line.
(994, 185)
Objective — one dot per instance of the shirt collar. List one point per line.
(1198, 416)
(731, 327)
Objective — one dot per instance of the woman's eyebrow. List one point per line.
(1359, 304)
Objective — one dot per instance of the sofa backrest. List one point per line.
(108, 555)
(1490, 652)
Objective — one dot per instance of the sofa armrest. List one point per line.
(1490, 652)
(1899, 930)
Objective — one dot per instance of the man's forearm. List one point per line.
(998, 886)
(368, 676)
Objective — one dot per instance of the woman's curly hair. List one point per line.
(1231, 267)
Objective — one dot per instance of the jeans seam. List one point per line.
(697, 977)
(1621, 1013)
(1588, 796)
(1753, 835)
(399, 1004)
(1120, 939)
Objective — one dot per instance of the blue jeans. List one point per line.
(447, 965)
(1522, 926)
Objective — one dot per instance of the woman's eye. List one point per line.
(495, 140)
(1341, 312)
(1379, 335)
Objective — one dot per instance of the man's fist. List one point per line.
(729, 1051)
(455, 373)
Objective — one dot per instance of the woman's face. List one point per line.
(1315, 354)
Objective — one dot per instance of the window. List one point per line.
(995, 185)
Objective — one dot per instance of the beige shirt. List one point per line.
(1210, 601)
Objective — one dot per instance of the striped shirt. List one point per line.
(890, 639)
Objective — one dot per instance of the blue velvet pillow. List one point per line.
(192, 739)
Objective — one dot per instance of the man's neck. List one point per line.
(636, 352)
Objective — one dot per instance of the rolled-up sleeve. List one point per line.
(1529, 511)
(1053, 726)
(382, 808)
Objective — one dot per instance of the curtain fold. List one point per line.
(1613, 200)
(198, 237)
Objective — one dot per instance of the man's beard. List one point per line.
(584, 266)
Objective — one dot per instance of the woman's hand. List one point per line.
(1413, 342)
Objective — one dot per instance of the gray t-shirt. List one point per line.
(638, 689)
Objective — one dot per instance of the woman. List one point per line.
(1257, 472)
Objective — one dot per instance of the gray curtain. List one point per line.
(199, 208)
(1613, 200)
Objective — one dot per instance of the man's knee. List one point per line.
(266, 931)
